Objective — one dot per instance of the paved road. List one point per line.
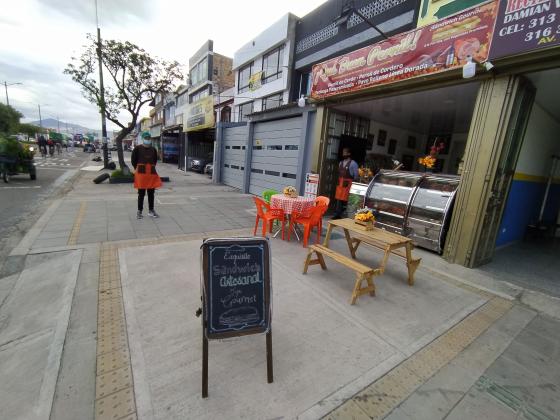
(22, 200)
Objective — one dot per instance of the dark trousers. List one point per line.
(141, 194)
(340, 208)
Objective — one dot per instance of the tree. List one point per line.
(9, 119)
(30, 130)
(135, 78)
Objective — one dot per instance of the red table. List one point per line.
(291, 204)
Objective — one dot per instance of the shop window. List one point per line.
(203, 93)
(272, 64)
(257, 171)
(199, 72)
(236, 147)
(244, 77)
(234, 167)
(411, 143)
(274, 147)
(245, 110)
(257, 147)
(272, 173)
(392, 147)
(227, 147)
(272, 101)
(226, 165)
(287, 175)
(291, 147)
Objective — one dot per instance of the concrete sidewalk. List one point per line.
(126, 294)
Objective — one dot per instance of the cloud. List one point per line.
(110, 11)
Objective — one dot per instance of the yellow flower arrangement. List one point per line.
(290, 191)
(427, 161)
(364, 172)
(364, 215)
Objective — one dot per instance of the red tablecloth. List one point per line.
(289, 204)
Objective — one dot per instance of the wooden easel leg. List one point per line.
(269, 368)
(204, 366)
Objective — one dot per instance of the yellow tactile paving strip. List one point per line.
(383, 396)
(75, 232)
(114, 386)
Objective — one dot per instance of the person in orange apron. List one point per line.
(347, 172)
(144, 160)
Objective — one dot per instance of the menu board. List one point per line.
(236, 286)
(435, 48)
(525, 25)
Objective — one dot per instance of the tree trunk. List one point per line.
(122, 134)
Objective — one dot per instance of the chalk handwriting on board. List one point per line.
(237, 287)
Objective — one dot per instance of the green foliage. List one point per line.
(14, 149)
(30, 129)
(118, 173)
(9, 119)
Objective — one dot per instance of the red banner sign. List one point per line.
(442, 46)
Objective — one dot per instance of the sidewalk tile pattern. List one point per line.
(75, 232)
(383, 396)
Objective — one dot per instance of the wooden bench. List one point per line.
(399, 252)
(363, 272)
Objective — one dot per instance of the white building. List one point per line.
(263, 69)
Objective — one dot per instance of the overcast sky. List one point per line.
(40, 36)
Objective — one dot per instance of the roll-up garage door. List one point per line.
(233, 166)
(275, 154)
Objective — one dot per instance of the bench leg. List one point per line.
(359, 290)
(357, 287)
(319, 260)
(307, 261)
(371, 285)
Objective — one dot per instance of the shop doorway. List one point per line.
(527, 246)
(395, 132)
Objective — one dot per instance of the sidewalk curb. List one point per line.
(25, 244)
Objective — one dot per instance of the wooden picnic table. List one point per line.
(388, 242)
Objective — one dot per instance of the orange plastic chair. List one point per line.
(308, 219)
(322, 200)
(268, 215)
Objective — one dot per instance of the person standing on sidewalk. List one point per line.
(144, 160)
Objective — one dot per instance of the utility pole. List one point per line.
(40, 119)
(102, 93)
(6, 88)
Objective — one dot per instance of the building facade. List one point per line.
(263, 69)
(210, 74)
(448, 76)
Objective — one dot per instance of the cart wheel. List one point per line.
(33, 177)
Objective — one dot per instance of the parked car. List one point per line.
(208, 169)
(198, 164)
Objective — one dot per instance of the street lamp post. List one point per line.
(6, 84)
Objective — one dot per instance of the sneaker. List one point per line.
(139, 214)
(152, 213)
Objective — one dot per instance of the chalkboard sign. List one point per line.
(236, 286)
